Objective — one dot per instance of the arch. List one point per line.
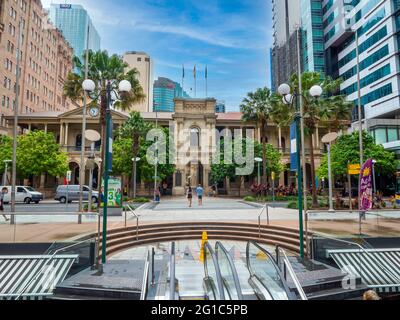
(75, 169)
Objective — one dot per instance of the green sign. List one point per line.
(114, 197)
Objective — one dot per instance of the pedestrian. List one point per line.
(214, 190)
(200, 192)
(3, 192)
(157, 194)
(371, 295)
(165, 188)
(189, 195)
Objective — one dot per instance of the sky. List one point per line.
(231, 37)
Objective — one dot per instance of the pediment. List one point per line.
(77, 114)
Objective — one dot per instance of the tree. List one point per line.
(347, 151)
(330, 108)
(5, 151)
(222, 170)
(257, 107)
(103, 68)
(38, 152)
(122, 156)
(134, 128)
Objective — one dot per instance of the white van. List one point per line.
(23, 195)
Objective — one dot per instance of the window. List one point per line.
(194, 137)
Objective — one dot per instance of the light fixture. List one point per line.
(284, 89)
(88, 85)
(125, 86)
(316, 91)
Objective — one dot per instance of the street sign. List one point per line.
(69, 175)
(293, 147)
(354, 169)
(273, 176)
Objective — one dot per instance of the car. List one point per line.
(23, 194)
(70, 193)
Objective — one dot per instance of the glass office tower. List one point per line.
(74, 21)
(165, 91)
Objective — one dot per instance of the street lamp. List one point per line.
(328, 139)
(6, 162)
(89, 87)
(290, 98)
(258, 160)
(135, 161)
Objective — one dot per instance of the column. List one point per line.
(30, 127)
(317, 136)
(61, 134)
(42, 181)
(280, 138)
(45, 127)
(66, 134)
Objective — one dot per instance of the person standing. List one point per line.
(200, 193)
(189, 195)
(2, 193)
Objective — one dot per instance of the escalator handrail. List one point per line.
(207, 247)
(285, 286)
(172, 284)
(293, 275)
(220, 246)
(145, 280)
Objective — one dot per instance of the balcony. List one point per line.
(77, 150)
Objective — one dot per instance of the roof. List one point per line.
(377, 268)
(32, 277)
(236, 116)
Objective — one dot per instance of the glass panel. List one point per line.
(265, 270)
(227, 274)
(392, 134)
(380, 135)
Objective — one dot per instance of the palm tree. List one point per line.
(103, 68)
(257, 107)
(136, 129)
(329, 108)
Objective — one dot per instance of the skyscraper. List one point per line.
(376, 23)
(220, 107)
(165, 91)
(74, 22)
(144, 65)
(283, 55)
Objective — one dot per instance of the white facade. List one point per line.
(144, 64)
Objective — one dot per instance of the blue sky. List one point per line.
(232, 37)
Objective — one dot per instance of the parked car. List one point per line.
(23, 195)
(70, 193)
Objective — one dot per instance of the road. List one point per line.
(44, 207)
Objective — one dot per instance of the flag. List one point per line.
(365, 191)
(194, 71)
(183, 71)
(206, 72)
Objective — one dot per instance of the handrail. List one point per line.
(220, 246)
(172, 280)
(322, 235)
(49, 260)
(252, 273)
(265, 208)
(145, 280)
(208, 248)
(137, 219)
(293, 275)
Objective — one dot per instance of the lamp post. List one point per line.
(258, 160)
(6, 162)
(328, 139)
(289, 98)
(156, 164)
(135, 161)
(124, 86)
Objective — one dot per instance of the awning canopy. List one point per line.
(32, 277)
(378, 268)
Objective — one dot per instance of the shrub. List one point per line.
(139, 200)
(249, 199)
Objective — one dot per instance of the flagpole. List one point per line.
(206, 82)
(195, 82)
(183, 78)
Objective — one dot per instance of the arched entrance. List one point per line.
(74, 168)
(194, 174)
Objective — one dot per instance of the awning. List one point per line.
(32, 277)
(378, 268)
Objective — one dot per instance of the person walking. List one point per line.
(189, 195)
(2, 193)
(200, 193)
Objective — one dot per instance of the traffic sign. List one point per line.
(354, 169)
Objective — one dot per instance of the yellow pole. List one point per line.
(204, 239)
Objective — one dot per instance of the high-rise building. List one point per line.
(75, 24)
(46, 60)
(165, 91)
(283, 55)
(376, 23)
(220, 107)
(144, 64)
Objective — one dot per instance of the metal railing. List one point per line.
(145, 281)
(221, 252)
(275, 266)
(49, 260)
(172, 280)
(360, 248)
(287, 266)
(208, 251)
(136, 217)
(266, 210)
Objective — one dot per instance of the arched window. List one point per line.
(78, 142)
(194, 137)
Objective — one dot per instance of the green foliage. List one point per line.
(249, 199)
(5, 151)
(139, 200)
(222, 170)
(37, 152)
(346, 151)
(122, 156)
